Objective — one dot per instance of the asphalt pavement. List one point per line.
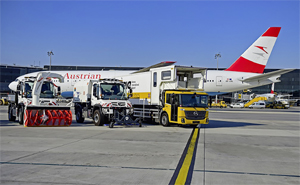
(238, 146)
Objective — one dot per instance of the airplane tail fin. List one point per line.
(255, 58)
(272, 88)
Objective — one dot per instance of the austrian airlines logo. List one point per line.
(262, 48)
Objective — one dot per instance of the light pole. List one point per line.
(49, 54)
(217, 56)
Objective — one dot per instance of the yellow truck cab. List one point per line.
(184, 107)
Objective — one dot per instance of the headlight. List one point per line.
(131, 110)
(104, 110)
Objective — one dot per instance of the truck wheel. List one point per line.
(11, 117)
(98, 118)
(21, 115)
(164, 120)
(79, 117)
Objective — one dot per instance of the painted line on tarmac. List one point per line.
(184, 170)
(142, 168)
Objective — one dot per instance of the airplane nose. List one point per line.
(13, 86)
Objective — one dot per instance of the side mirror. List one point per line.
(128, 85)
(98, 93)
(172, 98)
(58, 90)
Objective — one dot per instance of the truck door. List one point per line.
(219, 80)
(174, 106)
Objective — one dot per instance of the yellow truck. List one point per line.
(221, 104)
(169, 94)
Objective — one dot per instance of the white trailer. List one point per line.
(104, 100)
(162, 94)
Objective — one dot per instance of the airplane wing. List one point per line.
(267, 75)
(161, 64)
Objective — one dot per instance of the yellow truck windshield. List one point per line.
(194, 100)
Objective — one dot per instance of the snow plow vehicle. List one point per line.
(35, 103)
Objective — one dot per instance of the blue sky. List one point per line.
(142, 33)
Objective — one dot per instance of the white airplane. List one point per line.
(270, 96)
(245, 73)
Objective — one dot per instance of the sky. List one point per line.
(143, 33)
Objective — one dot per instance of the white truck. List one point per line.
(105, 101)
(170, 94)
(35, 102)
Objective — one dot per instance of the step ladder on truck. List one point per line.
(105, 101)
(170, 94)
(35, 102)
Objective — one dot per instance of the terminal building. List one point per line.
(290, 82)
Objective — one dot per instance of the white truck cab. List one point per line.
(104, 100)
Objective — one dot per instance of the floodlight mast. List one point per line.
(49, 54)
(217, 56)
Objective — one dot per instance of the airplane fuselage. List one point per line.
(220, 82)
(217, 81)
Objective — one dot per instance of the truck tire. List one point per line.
(21, 115)
(78, 113)
(98, 118)
(11, 117)
(164, 119)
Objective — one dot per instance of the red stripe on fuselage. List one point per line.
(272, 32)
(244, 65)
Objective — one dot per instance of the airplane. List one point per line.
(245, 73)
(270, 96)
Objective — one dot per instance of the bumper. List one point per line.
(184, 121)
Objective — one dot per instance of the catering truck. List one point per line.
(105, 101)
(169, 94)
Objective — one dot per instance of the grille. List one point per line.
(118, 104)
(195, 115)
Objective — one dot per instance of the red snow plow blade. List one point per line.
(37, 116)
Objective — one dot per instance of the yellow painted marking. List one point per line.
(141, 95)
(182, 175)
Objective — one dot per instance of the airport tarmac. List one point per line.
(238, 146)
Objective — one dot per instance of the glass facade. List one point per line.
(290, 84)
(10, 73)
